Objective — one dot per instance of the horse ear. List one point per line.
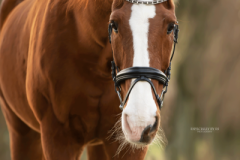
(170, 4)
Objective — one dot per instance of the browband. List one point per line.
(146, 2)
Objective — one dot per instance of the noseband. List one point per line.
(142, 73)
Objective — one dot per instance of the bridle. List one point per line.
(142, 73)
(146, 2)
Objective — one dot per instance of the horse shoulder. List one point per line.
(14, 43)
(51, 72)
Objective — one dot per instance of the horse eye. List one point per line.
(114, 26)
(171, 26)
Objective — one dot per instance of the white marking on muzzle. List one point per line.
(141, 108)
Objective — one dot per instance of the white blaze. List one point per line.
(141, 107)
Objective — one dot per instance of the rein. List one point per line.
(142, 73)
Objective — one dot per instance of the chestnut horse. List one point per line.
(56, 89)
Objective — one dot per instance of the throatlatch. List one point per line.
(142, 74)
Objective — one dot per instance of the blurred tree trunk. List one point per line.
(207, 76)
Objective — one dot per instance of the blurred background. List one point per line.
(204, 90)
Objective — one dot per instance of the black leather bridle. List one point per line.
(142, 74)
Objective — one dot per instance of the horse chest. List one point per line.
(82, 99)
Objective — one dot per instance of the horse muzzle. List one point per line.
(140, 131)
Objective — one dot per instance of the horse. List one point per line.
(56, 88)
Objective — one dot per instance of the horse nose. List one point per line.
(138, 130)
(149, 132)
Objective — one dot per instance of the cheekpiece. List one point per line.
(146, 2)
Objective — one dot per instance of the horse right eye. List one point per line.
(114, 26)
(171, 26)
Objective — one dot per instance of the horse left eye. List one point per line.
(171, 26)
(114, 26)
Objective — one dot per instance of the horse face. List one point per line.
(140, 39)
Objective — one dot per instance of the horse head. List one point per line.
(142, 34)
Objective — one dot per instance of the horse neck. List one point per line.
(92, 23)
(93, 19)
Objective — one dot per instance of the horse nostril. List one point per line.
(149, 132)
(155, 125)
